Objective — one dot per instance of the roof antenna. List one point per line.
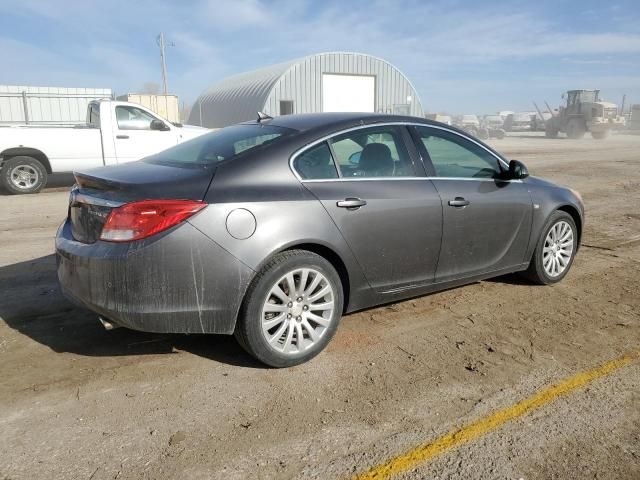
(263, 116)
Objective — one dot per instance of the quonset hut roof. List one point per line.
(238, 98)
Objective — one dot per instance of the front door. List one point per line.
(134, 138)
(486, 218)
(389, 215)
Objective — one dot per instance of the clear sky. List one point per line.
(462, 56)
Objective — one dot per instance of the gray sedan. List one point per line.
(271, 230)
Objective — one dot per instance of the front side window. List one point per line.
(316, 163)
(220, 145)
(133, 118)
(372, 152)
(453, 156)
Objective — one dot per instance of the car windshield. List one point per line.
(224, 144)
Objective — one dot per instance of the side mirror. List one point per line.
(158, 125)
(517, 170)
(354, 158)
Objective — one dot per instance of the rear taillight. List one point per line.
(137, 220)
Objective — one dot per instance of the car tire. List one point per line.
(297, 329)
(23, 174)
(548, 252)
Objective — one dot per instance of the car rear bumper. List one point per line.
(179, 281)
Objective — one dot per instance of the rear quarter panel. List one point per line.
(286, 215)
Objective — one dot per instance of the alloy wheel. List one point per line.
(24, 177)
(558, 249)
(298, 310)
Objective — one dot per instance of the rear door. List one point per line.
(486, 218)
(134, 138)
(387, 211)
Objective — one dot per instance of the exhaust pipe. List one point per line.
(107, 324)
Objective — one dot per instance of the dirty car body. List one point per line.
(394, 206)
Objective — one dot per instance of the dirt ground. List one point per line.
(77, 401)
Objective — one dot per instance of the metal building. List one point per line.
(47, 105)
(325, 82)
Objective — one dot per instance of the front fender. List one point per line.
(547, 198)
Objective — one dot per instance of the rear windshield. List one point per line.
(224, 144)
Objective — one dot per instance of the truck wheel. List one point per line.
(550, 132)
(23, 175)
(600, 135)
(499, 134)
(576, 129)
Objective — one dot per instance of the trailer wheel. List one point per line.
(23, 174)
(600, 135)
(576, 129)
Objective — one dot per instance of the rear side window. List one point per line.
(94, 115)
(316, 163)
(222, 145)
(372, 152)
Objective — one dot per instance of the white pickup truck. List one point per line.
(115, 132)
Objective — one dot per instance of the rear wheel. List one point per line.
(576, 129)
(550, 132)
(291, 310)
(23, 175)
(555, 250)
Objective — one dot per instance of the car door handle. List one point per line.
(459, 202)
(122, 137)
(352, 203)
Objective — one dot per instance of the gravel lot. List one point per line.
(77, 401)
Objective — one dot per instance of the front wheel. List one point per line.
(555, 250)
(600, 135)
(23, 175)
(291, 310)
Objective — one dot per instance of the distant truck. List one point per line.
(519, 121)
(584, 112)
(115, 132)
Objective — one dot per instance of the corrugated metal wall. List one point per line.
(47, 105)
(239, 98)
(302, 83)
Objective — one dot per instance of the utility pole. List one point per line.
(163, 63)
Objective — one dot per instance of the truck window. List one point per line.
(133, 118)
(94, 115)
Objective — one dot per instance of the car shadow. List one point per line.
(32, 304)
(510, 279)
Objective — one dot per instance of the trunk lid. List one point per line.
(100, 190)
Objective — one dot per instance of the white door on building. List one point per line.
(348, 93)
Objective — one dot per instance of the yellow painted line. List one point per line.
(454, 439)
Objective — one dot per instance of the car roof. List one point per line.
(311, 121)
